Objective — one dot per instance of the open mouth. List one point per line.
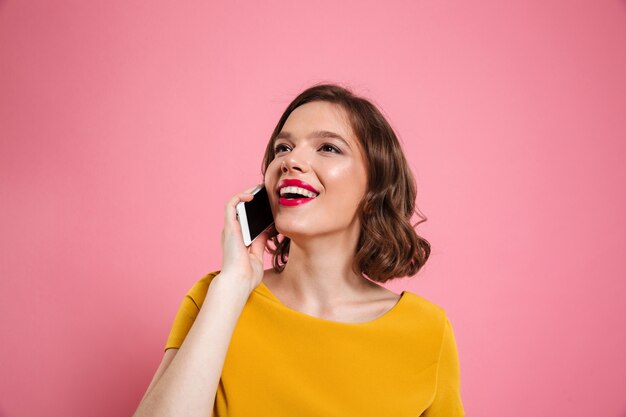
(292, 192)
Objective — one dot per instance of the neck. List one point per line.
(319, 270)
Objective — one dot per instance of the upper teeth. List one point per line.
(297, 190)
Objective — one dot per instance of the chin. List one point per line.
(292, 231)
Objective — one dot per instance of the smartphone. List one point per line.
(255, 216)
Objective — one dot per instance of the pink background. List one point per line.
(126, 125)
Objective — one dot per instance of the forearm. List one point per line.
(188, 386)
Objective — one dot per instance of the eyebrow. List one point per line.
(315, 134)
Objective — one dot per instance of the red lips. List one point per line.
(292, 182)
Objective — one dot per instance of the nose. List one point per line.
(294, 162)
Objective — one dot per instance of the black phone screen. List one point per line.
(259, 213)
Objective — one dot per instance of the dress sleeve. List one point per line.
(188, 311)
(447, 401)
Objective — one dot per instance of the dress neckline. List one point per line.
(263, 290)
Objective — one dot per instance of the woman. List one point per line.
(316, 335)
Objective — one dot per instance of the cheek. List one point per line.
(270, 174)
(348, 180)
(269, 187)
(270, 180)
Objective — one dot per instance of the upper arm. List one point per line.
(168, 356)
(188, 311)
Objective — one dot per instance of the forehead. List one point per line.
(320, 116)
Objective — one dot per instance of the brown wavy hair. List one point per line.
(388, 245)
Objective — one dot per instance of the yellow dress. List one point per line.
(284, 363)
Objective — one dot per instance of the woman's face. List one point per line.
(310, 149)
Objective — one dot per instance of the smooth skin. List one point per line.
(318, 279)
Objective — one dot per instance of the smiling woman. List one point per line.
(359, 130)
(316, 335)
(317, 148)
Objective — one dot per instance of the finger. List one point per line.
(258, 246)
(230, 209)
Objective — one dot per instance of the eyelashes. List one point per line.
(279, 148)
(333, 148)
(326, 147)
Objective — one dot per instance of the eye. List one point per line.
(330, 148)
(281, 147)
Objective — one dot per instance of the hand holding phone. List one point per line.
(255, 216)
(242, 264)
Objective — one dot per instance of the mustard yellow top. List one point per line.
(284, 363)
